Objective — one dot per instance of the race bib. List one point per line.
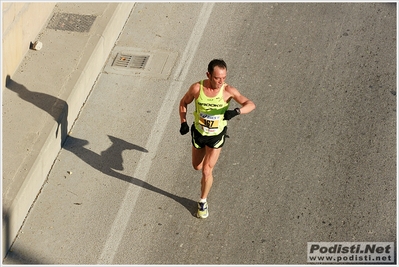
(209, 123)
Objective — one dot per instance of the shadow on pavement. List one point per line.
(112, 159)
(15, 255)
(55, 107)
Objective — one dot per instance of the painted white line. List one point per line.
(120, 223)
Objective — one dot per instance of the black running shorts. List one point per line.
(200, 141)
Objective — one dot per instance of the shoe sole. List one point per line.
(202, 217)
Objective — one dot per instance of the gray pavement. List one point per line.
(316, 160)
(43, 98)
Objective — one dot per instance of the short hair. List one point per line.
(216, 62)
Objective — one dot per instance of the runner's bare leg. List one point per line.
(210, 159)
(197, 158)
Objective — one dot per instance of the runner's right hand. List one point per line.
(184, 128)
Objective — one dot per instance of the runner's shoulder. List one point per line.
(230, 89)
(195, 89)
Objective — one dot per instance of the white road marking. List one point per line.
(119, 225)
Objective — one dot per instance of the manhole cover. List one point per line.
(140, 62)
(71, 22)
(130, 61)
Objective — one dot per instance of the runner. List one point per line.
(212, 97)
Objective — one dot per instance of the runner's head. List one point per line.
(217, 71)
(216, 62)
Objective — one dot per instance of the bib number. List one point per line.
(209, 123)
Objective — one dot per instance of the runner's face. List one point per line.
(217, 78)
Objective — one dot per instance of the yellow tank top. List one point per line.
(208, 114)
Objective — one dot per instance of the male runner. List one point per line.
(212, 97)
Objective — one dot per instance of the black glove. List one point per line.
(229, 114)
(184, 128)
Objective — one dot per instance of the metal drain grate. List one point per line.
(71, 22)
(139, 62)
(130, 61)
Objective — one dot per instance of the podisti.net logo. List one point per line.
(351, 252)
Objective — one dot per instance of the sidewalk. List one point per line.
(43, 98)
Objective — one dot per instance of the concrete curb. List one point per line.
(15, 213)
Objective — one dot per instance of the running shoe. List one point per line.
(202, 210)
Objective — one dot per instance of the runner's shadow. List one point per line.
(111, 159)
(55, 107)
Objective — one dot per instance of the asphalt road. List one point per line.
(316, 160)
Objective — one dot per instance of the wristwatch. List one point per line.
(238, 111)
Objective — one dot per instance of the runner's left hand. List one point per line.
(229, 114)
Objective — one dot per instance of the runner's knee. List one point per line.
(197, 167)
(207, 170)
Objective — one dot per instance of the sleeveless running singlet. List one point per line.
(208, 114)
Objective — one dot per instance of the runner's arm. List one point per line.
(187, 99)
(246, 104)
